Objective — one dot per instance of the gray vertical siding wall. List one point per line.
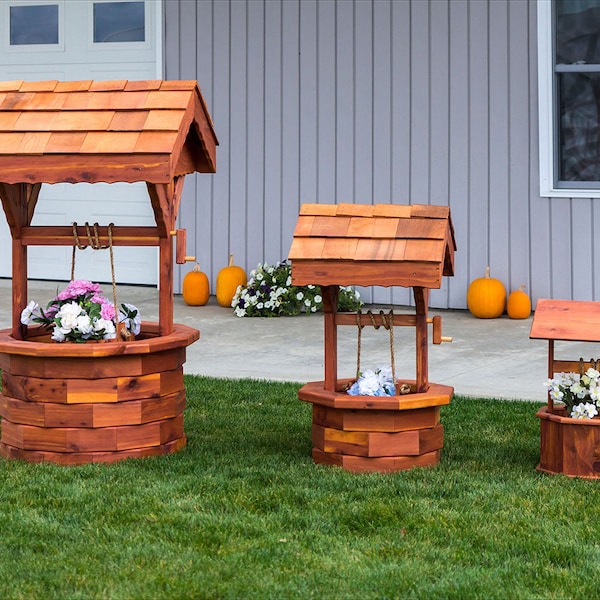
(378, 101)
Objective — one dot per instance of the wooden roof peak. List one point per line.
(380, 244)
(92, 131)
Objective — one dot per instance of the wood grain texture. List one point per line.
(383, 245)
(569, 446)
(63, 129)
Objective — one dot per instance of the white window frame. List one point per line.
(546, 108)
(5, 7)
(118, 46)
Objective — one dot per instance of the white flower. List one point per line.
(318, 299)
(58, 335)
(28, 312)
(584, 411)
(109, 329)
(299, 295)
(84, 324)
(68, 314)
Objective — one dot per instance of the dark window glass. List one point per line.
(577, 84)
(119, 22)
(34, 24)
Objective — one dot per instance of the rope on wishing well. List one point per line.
(594, 364)
(387, 324)
(94, 243)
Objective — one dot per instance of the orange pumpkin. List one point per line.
(228, 280)
(486, 297)
(519, 304)
(195, 287)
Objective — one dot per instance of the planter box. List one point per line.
(80, 403)
(381, 433)
(568, 446)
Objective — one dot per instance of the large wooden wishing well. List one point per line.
(80, 403)
(375, 245)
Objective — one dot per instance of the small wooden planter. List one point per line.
(569, 446)
(79, 403)
(366, 433)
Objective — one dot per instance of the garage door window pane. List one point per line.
(36, 24)
(119, 22)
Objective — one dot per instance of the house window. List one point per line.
(33, 24)
(119, 22)
(569, 95)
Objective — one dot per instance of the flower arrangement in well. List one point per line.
(579, 393)
(270, 293)
(80, 313)
(379, 382)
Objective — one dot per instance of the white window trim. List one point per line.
(546, 110)
(21, 48)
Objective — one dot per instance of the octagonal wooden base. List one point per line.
(568, 446)
(80, 403)
(366, 433)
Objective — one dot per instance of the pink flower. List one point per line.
(107, 309)
(79, 287)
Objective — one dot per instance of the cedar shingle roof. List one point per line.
(381, 244)
(91, 131)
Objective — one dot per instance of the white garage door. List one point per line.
(71, 40)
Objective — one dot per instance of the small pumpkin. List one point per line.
(519, 304)
(486, 297)
(196, 287)
(228, 280)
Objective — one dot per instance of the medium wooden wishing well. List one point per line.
(375, 245)
(80, 403)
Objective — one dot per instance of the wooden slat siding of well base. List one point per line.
(568, 320)
(154, 344)
(569, 446)
(366, 273)
(63, 236)
(377, 443)
(72, 391)
(360, 464)
(150, 434)
(376, 420)
(95, 368)
(82, 458)
(17, 411)
(102, 439)
(315, 392)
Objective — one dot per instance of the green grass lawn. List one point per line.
(243, 512)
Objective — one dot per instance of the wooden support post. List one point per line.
(421, 303)
(19, 287)
(330, 295)
(165, 292)
(550, 372)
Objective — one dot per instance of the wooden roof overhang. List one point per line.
(373, 245)
(100, 131)
(366, 245)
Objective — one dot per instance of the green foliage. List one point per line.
(270, 293)
(243, 512)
